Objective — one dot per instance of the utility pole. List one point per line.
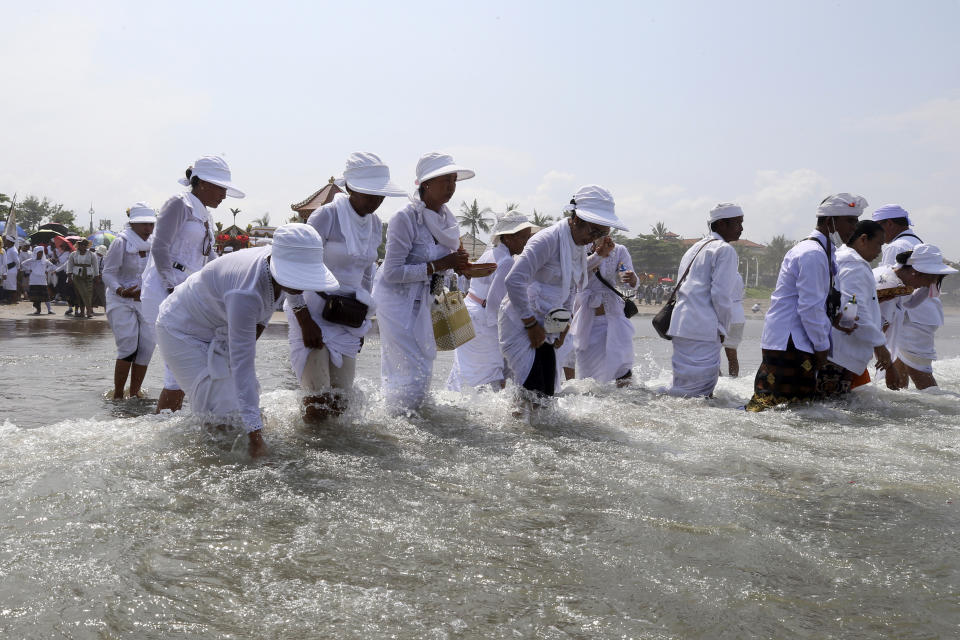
(91, 218)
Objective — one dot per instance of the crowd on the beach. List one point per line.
(539, 306)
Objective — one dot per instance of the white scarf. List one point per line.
(441, 224)
(573, 260)
(356, 229)
(134, 243)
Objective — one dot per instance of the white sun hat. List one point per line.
(594, 204)
(723, 211)
(510, 222)
(841, 204)
(142, 212)
(101, 250)
(927, 258)
(213, 169)
(436, 164)
(366, 173)
(297, 259)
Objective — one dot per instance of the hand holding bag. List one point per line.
(661, 321)
(452, 325)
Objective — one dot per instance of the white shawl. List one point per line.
(356, 229)
(443, 225)
(134, 243)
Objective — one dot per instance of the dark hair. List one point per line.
(902, 222)
(192, 179)
(867, 228)
(903, 257)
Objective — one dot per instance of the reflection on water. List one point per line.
(620, 513)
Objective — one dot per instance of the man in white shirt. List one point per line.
(913, 345)
(704, 306)
(796, 332)
(11, 269)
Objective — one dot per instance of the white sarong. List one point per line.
(696, 367)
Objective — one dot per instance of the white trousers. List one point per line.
(152, 294)
(320, 374)
(696, 367)
(211, 391)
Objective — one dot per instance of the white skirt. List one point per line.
(131, 332)
(915, 345)
(696, 367)
(477, 362)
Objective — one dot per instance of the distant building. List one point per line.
(474, 246)
(316, 200)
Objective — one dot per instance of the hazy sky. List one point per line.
(673, 106)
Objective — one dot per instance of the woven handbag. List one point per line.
(451, 321)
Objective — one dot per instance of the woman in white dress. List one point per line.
(534, 317)
(423, 245)
(122, 272)
(602, 334)
(914, 279)
(38, 270)
(183, 243)
(479, 362)
(208, 327)
(323, 351)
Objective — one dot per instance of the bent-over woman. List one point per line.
(208, 327)
(323, 351)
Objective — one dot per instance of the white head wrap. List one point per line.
(724, 210)
(841, 204)
(595, 204)
(889, 211)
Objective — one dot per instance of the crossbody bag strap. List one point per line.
(607, 284)
(829, 260)
(673, 294)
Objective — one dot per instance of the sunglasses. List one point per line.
(594, 231)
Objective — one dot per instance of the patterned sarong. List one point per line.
(783, 377)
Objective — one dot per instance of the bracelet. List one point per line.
(531, 325)
(431, 269)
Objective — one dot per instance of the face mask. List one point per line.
(836, 239)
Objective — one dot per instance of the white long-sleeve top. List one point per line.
(38, 269)
(491, 288)
(737, 295)
(11, 261)
(798, 305)
(123, 265)
(352, 272)
(183, 230)
(224, 302)
(83, 264)
(855, 278)
(596, 294)
(930, 311)
(705, 298)
(534, 283)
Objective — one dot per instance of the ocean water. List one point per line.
(617, 514)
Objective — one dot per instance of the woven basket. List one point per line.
(451, 321)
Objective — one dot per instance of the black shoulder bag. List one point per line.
(833, 296)
(661, 321)
(629, 308)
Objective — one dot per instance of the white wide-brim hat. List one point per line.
(595, 204)
(928, 259)
(511, 222)
(142, 212)
(297, 259)
(366, 173)
(436, 164)
(213, 169)
(842, 204)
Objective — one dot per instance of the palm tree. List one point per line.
(234, 212)
(659, 231)
(262, 221)
(511, 206)
(541, 220)
(475, 218)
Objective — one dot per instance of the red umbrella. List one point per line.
(666, 279)
(60, 242)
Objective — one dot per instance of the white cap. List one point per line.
(889, 211)
(213, 169)
(510, 222)
(841, 204)
(724, 210)
(366, 173)
(927, 258)
(228, 248)
(297, 259)
(142, 212)
(594, 204)
(436, 164)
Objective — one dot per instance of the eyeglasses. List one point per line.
(595, 231)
